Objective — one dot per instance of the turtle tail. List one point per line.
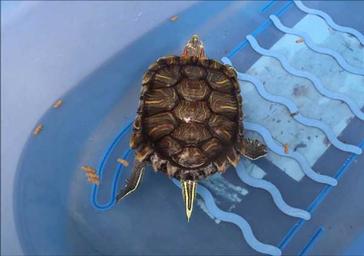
(189, 194)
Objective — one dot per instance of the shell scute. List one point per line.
(197, 111)
(169, 146)
(216, 65)
(191, 133)
(194, 72)
(223, 128)
(193, 90)
(159, 125)
(190, 157)
(219, 81)
(159, 100)
(223, 103)
(169, 60)
(148, 76)
(230, 72)
(167, 76)
(212, 147)
(136, 139)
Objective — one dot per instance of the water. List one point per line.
(52, 203)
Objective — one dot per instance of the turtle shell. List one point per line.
(189, 120)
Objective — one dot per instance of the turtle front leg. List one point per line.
(133, 181)
(252, 149)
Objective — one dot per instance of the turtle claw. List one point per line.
(252, 149)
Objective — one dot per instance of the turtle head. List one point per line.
(195, 40)
(194, 47)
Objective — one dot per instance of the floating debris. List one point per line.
(88, 169)
(293, 114)
(285, 148)
(300, 40)
(300, 145)
(38, 129)
(173, 18)
(92, 177)
(94, 181)
(123, 162)
(58, 103)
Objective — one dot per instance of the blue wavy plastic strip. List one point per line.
(115, 142)
(95, 189)
(278, 149)
(330, 21)
(329, 133)
(300, 73)
(203, 192)
(267, 6)
(319, 199)
(234, 219)
(261, 28)
(291, 105)
(308, 41)
(273, 191)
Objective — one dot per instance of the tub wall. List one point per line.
(47, 48)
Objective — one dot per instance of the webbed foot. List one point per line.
(252, 149)
(133, 181)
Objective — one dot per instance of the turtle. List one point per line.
(189, 122)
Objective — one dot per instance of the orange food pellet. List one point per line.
(38, 129)
(94, 181)
(174, 18)
(92, 176)
(58, 103)
(286, 148)
(88, 169)
(123, 162)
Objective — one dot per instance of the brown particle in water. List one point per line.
(38, 129)
(58, 103)
(123, 162)
(173, 18)
(300, 40)
(285, 148)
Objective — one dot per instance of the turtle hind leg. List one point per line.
(133, 181)
(252, 149)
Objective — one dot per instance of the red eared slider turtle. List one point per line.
(189, 121)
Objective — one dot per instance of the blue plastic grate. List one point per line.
(304, 215)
